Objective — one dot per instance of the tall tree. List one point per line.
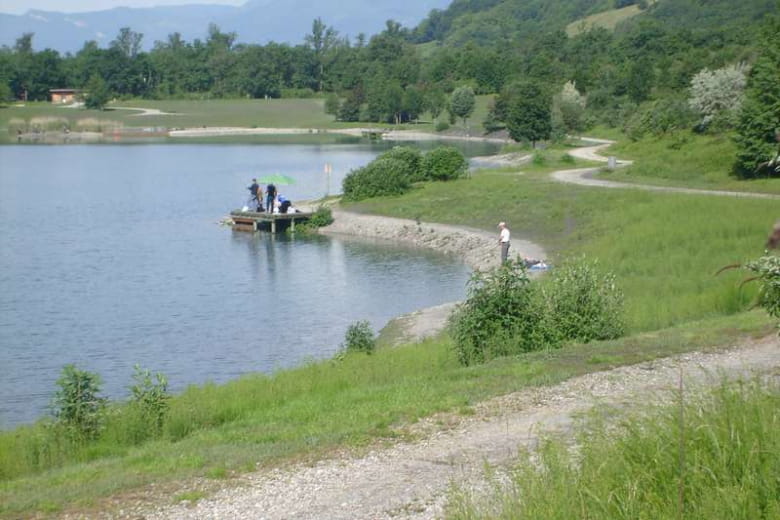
(462, 102)
(321, 41)
(128, 42)
(97, 94)
(528, 114)
(758, 129)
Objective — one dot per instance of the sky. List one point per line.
(75, 6)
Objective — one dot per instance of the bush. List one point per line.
(444, 163)
(499, 317)
(150, 398)
(297, 93)
(660, 118)
(584, 304)
(77, 405)
(411, 157)
(441, 126)
(506, 314)
(359, 338)
(322, 216)
(767, 272)
(385, 176)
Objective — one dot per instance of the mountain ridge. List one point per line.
(257, 21)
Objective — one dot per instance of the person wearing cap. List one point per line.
(503, 241)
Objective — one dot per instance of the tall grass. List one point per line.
(729, 441)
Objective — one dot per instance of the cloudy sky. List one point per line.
(73, 6)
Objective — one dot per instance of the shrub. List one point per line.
(441, 126)
(332, 104)
(359, 338)
(506, 314)
(717, 96)
(77, 405)
(660, 118)
(297, 93)
(500, 316)
(322, 216)
(444, 163)
(584, 304)
(411, 157)
(150, 397)
(384, 176)
(767, 272)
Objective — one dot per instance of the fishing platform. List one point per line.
(256, 220)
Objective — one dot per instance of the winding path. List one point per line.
(585, 176)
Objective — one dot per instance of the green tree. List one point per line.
(97, 95)
(528, 113)
(321, 41)
(5, 93)
(759, 123)
(435, 102)
(462, 102)
(128, 42)
(332, 104)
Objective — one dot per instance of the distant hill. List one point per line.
(490, 21)
(257, 21)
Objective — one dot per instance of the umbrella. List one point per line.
(276, 178)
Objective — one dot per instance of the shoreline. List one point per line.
(478, 249)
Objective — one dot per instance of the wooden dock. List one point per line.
(255, 221)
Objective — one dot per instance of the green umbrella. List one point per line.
(276, 178)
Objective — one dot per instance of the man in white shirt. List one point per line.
(503, 241)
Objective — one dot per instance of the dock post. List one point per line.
(292, 225)
(273, 226)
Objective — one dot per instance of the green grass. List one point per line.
(247, 113)
(662, 247)
(712, 457)
(606, 19)
(685, 159)
(216, 431)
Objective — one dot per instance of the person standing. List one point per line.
(270, 197)
(253, 191)
(503, 241)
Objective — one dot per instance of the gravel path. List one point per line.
(585, 176)
(410, 480)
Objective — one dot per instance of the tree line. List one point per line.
(638, 76)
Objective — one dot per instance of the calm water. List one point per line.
(111, 255)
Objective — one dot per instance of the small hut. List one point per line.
(64, 96)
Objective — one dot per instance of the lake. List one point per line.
(112, 255)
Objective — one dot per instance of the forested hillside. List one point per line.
(638, 76)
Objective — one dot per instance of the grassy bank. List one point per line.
(685, 159)
(215, 432)
(662, 247)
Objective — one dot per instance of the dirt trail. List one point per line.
(410, 480)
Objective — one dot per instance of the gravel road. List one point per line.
(410, 480)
